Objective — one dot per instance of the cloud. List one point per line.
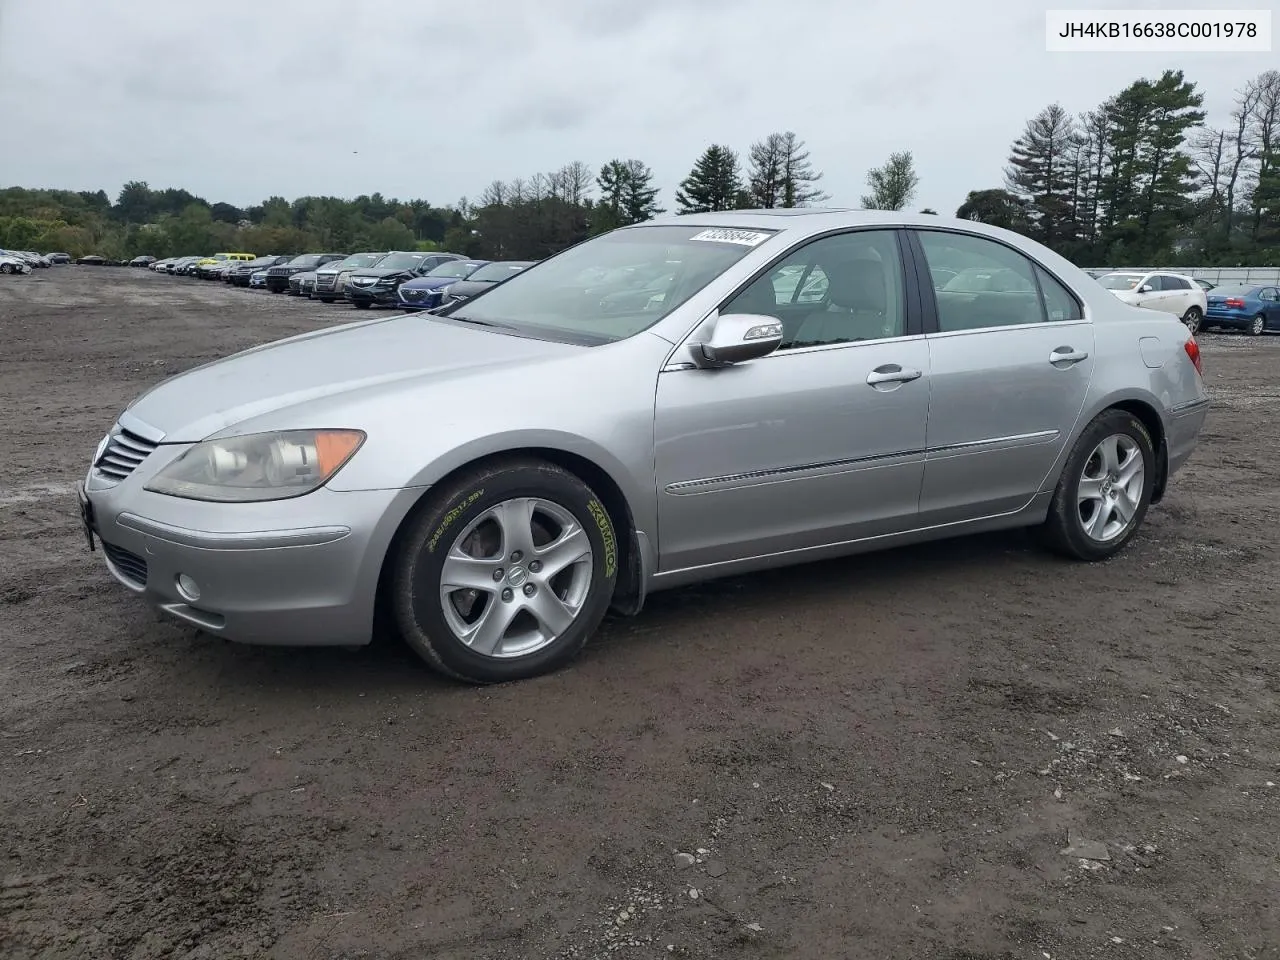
(238, 101)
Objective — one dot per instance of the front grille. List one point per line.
(325, 281)
(415, 296)
(279, 272)
(125, 452)
(131, 566)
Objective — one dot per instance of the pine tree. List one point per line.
(1041, 171)
(714, 183)
(798, 175)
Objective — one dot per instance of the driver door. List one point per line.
(819, 443)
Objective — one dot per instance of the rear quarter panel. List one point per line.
(1141, 357)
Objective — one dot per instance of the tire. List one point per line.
(1257, 326)
(361, 304)
(1194, 319)
(1067, 528)
(326, 299)
(6, 268)
(466, 519)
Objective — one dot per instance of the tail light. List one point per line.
(1193, 354)
(1234, 302)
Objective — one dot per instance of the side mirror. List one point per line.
(1145, 288)
(736, 338)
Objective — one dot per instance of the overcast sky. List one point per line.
(238, 100)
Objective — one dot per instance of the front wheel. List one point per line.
(505, 573)
(6, 268)
(362, 304)
(1193, 318)
(1105, 488)
(1258, 326)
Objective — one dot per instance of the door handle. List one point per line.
(1066, 356)
(892, 373)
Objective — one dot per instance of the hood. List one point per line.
(428, 283)
(469, 288)
(393, 353)
(378, 274)
(1127, 296)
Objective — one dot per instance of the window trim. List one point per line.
(913, 328)
(929, 300)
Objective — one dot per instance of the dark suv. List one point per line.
(278, 277)
(239, 274)
(379, 284)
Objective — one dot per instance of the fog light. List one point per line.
(188, 588)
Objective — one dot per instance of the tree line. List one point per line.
(1139, 178)
(1142, 179)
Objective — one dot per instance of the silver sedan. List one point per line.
(679, 400)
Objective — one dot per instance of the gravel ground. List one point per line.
(879, 757)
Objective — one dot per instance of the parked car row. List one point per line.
(22, 261)
(408, 280)
(1251, 307)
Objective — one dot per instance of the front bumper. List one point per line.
(277, 283)
(299, 572)
(384, 296)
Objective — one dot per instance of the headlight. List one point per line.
(259, 466)
(443, 291)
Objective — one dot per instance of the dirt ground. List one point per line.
(882, 757)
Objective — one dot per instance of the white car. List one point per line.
(13, 264)
(1167, 292)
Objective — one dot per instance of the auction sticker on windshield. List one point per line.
(747, 238)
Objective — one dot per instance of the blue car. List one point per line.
(1254, 309)
(426, 292)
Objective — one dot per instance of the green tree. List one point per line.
(714, 183)
(1042, 170)
(627, 195)
(894, 185)
(1000, 208)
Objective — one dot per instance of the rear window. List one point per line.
(1236, 290)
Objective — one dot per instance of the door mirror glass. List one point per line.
(738, 337)
(1145, 288)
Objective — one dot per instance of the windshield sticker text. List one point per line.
(746, 238)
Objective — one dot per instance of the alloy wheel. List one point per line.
(516, 577)
(1110, 487)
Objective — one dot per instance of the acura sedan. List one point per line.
(490, 479)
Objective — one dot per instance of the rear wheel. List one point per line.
(1193, 318)
(1258, 326)
(505, 573)
(1105, 488)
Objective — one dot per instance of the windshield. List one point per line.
(1120, 281)
(307, 261)
(1234, 291)
(574, 293)
(495, 272)
(218, 256)
(454, 269)
(357, 261)
(400, 261)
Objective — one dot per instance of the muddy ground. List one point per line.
(882, 757)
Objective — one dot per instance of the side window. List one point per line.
(839, 289)
(1271, 293)
(990, 284)
(1163, 283)
(1059, 304)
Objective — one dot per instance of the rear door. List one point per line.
(1009, 369)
